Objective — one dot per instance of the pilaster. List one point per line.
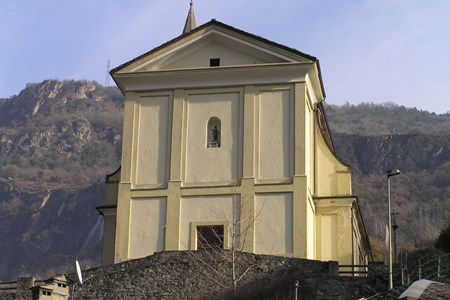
(300, 220)
(249, 132)
(177, 135)
(123, 223)
(172, 228)
(300, 130)
(248, 216)
(128, 136)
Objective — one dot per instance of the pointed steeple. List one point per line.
(190, 20)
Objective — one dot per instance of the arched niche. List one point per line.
(213, 133)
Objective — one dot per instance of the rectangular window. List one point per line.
(214, 62)
(210, 237)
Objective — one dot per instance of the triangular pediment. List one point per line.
(214, 41)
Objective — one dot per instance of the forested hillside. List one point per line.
(58, 140)
(369, 119)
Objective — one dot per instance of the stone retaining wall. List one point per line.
(200, 275)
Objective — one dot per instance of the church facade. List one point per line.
(225, 143)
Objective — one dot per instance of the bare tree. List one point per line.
(219, 256)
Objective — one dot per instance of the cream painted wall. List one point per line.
(329, 237)
(221, 209)
(332, 177)
(335, 229)
(148, 220)
(153, 135)
(275, 131)
(205, 165)
(311, 230)
(273, 223)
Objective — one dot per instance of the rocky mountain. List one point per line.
(60, 134)
(58, 140)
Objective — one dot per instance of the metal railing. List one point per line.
(437, 269)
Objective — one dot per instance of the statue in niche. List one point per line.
(215, 134)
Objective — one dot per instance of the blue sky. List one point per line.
(369, 50)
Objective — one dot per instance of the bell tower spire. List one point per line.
(190, 20)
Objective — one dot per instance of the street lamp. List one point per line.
(389, 174)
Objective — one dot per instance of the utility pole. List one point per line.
(389, 174)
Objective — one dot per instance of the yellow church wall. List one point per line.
(332, 176)
(275, 134)
(128, 139)
(334, 230)
(311, 230)
(220, 165)
(207, 210)
(304, 210)
(153, 140)
(273, 223)
(328, 237)
(147, 226)
(123, 222)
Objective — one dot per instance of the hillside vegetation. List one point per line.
(369, 119)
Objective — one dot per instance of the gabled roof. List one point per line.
(211, 23)
(267, 51)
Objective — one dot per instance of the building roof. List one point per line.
(212, 23)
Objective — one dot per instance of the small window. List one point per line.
(214, 133)
(214, 62)
(209, 237)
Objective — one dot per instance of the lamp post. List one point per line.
(389, 174)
